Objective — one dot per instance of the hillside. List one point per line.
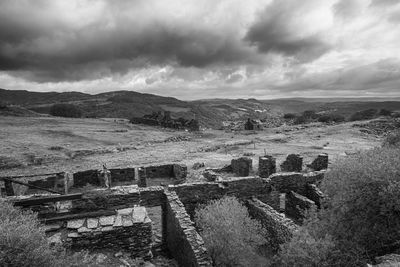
(127, 104)
(209, 112)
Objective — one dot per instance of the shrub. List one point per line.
(364, 201)
(305, 250)
(392, 139)
(364, 115)
(230, 235)
(310, 114)
(289, 116)
(385, 112)
(300, 120)
(22, 241)
(327, 118)
(65, 110)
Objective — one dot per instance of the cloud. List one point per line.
(292, 28)
(191, 49)
(113, 37)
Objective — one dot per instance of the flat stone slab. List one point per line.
(107, 220)
(126, 211)
(92, 223)
(75, 224)
(139, 214)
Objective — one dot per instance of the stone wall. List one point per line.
(193, 194)
(183, 241)
(296, 206)
(320, 163)
(242, 166)
(280, 229)
(315, 194)
(266, 166)
(128, 230)
(55, 182)
(294, 181)
(293, 163)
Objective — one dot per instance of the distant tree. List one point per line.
(310, 114)
(300, 120)
(65, 110)
(3, 105)
(364, 115)
(326, 118)
(385, 112)
(289, 116)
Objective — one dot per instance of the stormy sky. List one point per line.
(203, 48)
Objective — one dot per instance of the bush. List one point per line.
(22, 241)
(230, 235)
(300, 120)
(65, 110)
(306, 250)
(364, 115)
(310, 114)
(364, 201)
(392, 140)
(289, 116)
(361, 218)
(327, 118)
(385, 112)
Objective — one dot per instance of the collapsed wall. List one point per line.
(128, 230)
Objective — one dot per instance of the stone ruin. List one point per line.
(252, 125)
(116, 218)
(165, 120)
(65, 182)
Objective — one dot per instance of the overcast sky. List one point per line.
(203, 48)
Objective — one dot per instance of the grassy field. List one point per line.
(48, 144)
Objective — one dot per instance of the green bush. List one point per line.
(65, 110)
(230, 235)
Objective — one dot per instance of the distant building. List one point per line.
(252, 125)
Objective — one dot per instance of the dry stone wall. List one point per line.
(293, 163)
(183, 241)
(242, 166)
(129, 230)
(296, 205)
(280, 229)
(266, 166)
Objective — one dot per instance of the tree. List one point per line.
(65, 110)
(230, 235)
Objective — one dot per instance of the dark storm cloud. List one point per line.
(274, 32)
(42, 47)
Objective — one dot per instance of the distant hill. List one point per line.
(127, 104)
(209, 112)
